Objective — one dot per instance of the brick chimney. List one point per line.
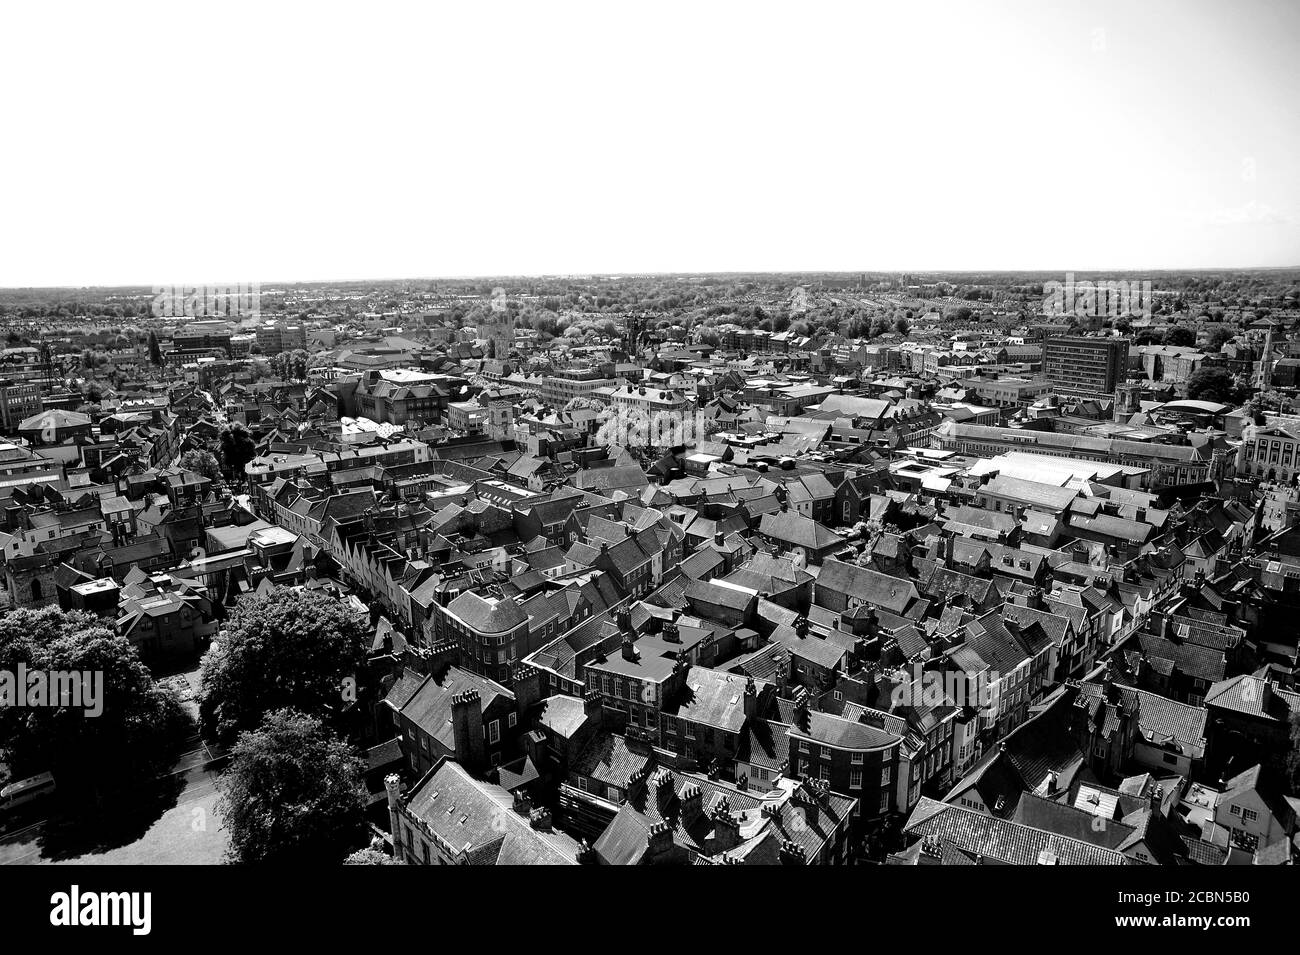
(792, 853)
(801, 709)
(726, 828)
(661, 789)
(751, 699)
(659, 842)
(692, 800)
(467, 728)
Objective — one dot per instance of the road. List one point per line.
(188, 832)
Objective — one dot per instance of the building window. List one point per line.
(494, 731)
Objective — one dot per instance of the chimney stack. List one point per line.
(792, 853)
(751, 699)
(467, 728)
(801, 709)
(692, 801)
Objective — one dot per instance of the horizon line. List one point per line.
(629, 273)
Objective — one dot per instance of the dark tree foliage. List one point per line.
(298, 649)
(128, 741)
(1210, 384)
(237, 449)
(293, 793)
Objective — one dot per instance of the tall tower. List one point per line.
(1266, 361)
(393, 789)
(1128, 399)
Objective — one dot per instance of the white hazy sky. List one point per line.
(220, 142)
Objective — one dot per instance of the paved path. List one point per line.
(188, 832)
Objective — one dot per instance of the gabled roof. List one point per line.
(479, 819)
(797, 530)
(877, 589)
(1001, 839)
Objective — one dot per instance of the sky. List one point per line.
(223, 142)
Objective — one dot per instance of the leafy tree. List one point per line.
(293, 793)
(291, 648)
(373, 854)
(1210, 384)
(155, 353)
(1220, 337)
(202, 462)
(137, 723)
(1180, 336)
(237, 449)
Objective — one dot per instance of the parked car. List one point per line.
(25, 792)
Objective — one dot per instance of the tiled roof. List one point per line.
(478, 819)
(1002, 839)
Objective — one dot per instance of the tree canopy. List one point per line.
(202, 462)
(290, 648)
(293, 792)
(138, 721)
(1210, 384)
(237, 449)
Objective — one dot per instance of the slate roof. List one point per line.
(486, 615)
(1001, 839)
(792, 528)
(429, 706)
(479, 819)
(608, 759)
(880, 590)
